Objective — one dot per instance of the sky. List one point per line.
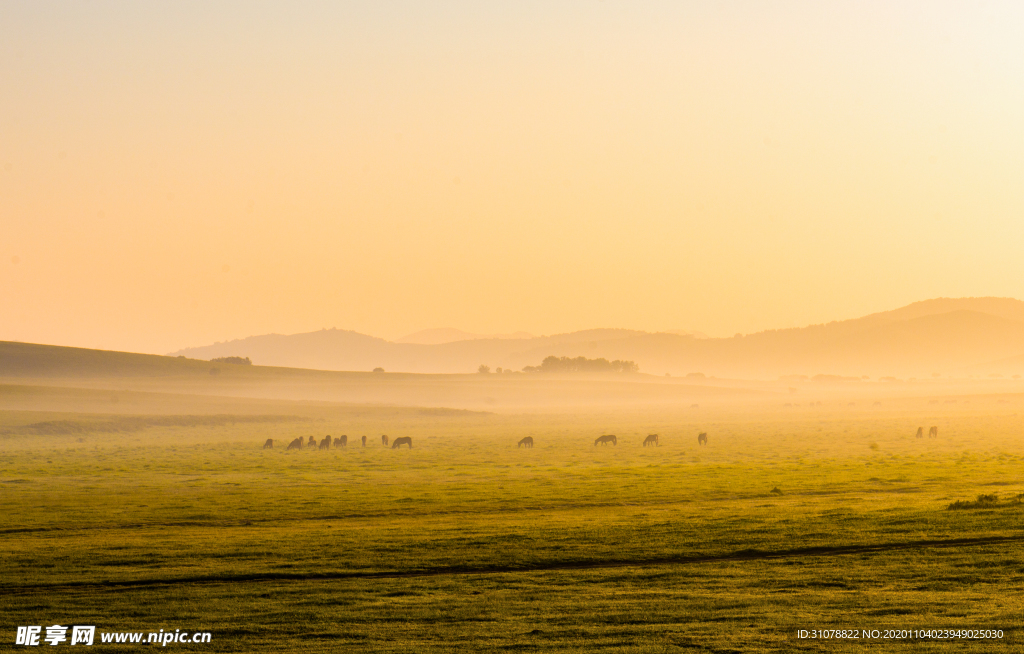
(174, 174)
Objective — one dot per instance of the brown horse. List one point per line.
(341, 442)
(651, 440)
(295, 444)
(325, 444)
(604, 440)
(312, 442)
(384, 439)
(702, 438)
(364, 441)
(269, 445)
(920, 433)
(404, 440)
(526, 442)
(933, 432)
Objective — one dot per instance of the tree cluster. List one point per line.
(582, 364)
(238, 361)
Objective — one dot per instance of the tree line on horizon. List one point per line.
(582, 364)
(238, 361)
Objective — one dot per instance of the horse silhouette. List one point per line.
(933, 432)
(384, 439)
(920, 433)
(325, 444)
(702, 438)
(526, 442)
(312, 442)
(269, 445)
(404, 440)
(295, 444)
(341, 442)
(651, 440)
(604, 440)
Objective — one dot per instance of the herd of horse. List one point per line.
(342, 441)
(338, 441)
(651, 440)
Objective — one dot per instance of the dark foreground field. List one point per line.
(167, 514)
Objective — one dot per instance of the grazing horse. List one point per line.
(651, 440)
(604, 440)
(920, 433)
(325, 444)
(702, 438)
(269, 445)
(312, 442)
(295, 444)
(384, 439)
(526, 442)
(404, 440)
(364, 441)
(933, 432)
(341, 442)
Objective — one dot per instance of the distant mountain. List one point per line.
(336, 349)
(441, 335)
(944, 335)
(686, 332)
(1002, 307)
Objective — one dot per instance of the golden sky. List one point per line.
(174, 174)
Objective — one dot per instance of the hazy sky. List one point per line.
(178, 173)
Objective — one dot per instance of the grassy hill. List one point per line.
(32, 360)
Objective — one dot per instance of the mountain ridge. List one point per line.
(940, 335)
(441, 335)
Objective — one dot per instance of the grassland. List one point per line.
(159, 511)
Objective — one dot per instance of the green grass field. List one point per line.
(149, 511)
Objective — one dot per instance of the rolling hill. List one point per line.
(944, 335)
